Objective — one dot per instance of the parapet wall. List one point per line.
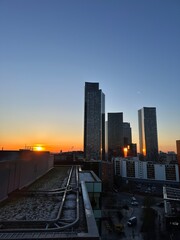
(25, 168)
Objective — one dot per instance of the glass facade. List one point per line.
(150, 171)
(115, 134)
(94, 122)
(148, 140)
(178, 151)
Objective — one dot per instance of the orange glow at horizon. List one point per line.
(62, 144)
(50, 147)
(38, 148)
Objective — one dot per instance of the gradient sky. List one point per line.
(50, 48)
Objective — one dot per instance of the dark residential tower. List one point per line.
(148, 139)
(127, 136)
(94, 122)
(115, 134)
(178, 152)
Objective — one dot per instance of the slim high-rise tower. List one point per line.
(178, 151)
(127, 136)
(94, 122)
(115, 134)
(148, 140)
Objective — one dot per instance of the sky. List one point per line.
(50, 48)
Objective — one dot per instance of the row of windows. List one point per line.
(170, 171)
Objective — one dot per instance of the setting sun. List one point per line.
(38, 148)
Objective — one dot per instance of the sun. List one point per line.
(38, 148)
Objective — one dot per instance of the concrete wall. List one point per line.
(21, 171)
(4, 179)
(160, 173)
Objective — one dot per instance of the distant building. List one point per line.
(106, 140)
(132, 150)
(178, 151)
(115, 134)
(171, 157)
(94, 122)
(148, 139)
(119, 137)
(171, 197)
(74, 157)
(132, 168)
(127, 136)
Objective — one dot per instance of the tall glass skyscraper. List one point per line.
(127, 136)
(178, 151)
(94, 122)
(148, 140)
(119, 135)
(115, 134)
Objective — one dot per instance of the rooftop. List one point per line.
(55, 206)
(88, 176)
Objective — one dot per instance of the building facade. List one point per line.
(115, 134)
(171, 197)
(94, 122)
(148, 139)
(119, 137)
(133, 168)
(127, 136)
(178, 151)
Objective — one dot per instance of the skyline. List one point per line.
(49, 49)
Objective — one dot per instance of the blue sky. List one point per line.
(50, 48)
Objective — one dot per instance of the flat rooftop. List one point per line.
(53, 207)
(88, 176)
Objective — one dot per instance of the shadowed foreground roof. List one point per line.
(56, 206)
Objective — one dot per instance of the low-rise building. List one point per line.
(171, 198)
(133, 168)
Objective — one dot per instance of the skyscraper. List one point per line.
(115, 134)
(178, 151)
(94, 122)
(127, 136)
(148, 140)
